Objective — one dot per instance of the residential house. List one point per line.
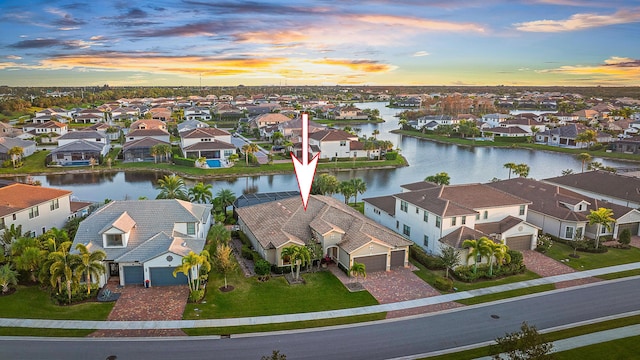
(142, 246)
(110, 132)
(197, 113)
(141, 149)
(49, 131)
(88, 118)
(566, 135)
(616, 188)
(335, 144)
(292, 129)
(87, 135)
(494, 120)
(349, 112)
(160, 113)
(6, 130)
(410, 102)
(433, 216)
(563, 213)
(35, 208)
(6, 143)
(502, 131)
(59, 112)
(345, 235)
(188, 125)
(211, 143)
(564, 118)
(79, 152)
(263, 120)
(431, 122)
(141, 129)
(630, 145)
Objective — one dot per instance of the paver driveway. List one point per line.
(546, 266)
(155, 303)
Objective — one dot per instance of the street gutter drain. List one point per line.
(225, 336)
(494, 316)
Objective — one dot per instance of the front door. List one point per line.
(114, 269)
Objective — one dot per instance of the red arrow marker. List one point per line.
(305, 170)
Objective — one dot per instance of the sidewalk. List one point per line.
(320, 315)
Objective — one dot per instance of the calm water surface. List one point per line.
(463, 164)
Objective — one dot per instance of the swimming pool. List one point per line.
(213, 163)
(77, 163)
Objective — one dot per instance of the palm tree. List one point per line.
(522, 170)
(441, 178)
(347, 190)
(194, 262)
(327, 184)
(277, 138)
(63, 268)
(375, 133)
(90, 264)
(8, 277)
(501, 253)
(9, 235)
(477, 249)
(29, 260)
(287, 255)
(218, 234)
(172, 187)
(154, 151)
(200, 193)
(164, 149)
(249, 148)
(358, 269)
(300, 256)
(16, 153)
(93, 162)
(226, 198)
(511, 166)
(359, 187)
(601, 217)
(587, 137)
(584, 158)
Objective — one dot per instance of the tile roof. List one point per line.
(88, 134)
(16, 197)
(458, 236)
(148, 123)
(210, 145)
(384, 203)
(79, 145)
(499, 227)
(278, 222)
(420, 185)
(332, 135)
(207, 132)
(78, 205)
(148, 225)
(145, 142)
(618, 186)
(7, 143)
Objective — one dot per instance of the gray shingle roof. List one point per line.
(602, 182)
(385, 203)
(79, 145)
(153, 231)
(90, 134)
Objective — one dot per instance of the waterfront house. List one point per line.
(566, 135)
(6, 143)
(213, 144)
(49, 131)
(334, 143)
(615, 188)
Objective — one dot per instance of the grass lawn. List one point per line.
(13, 331)
(589, 261)
(30, 302)
(627, 348)
(507, 294)
(322, 291)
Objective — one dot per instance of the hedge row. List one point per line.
(516, 266)
(429, 261)
(184, 161)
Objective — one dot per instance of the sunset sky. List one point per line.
(368, 42)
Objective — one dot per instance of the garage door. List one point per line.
(397, 258)
(519, 242)
(373, 262)
(633, 228)
(133, 275)
(164, 276)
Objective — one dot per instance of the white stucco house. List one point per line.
(145, 239)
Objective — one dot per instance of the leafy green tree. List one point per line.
(8, 277)
(521, 345)
(15, 153)
(90, 264)
(601, 217)
(172, 187)
(218, 234)
(587, 137)
(10, 234)
(625, 237)
(450, 258)
(200, 193)
(195, 262)
(357, 270)
(29, 260)
(478, 248)
(327, 184)
(277, 138)
(224, 261)
(584, 158)
(359, 187)
(441, 178)
(315, 251)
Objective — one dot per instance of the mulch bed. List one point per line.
(226, 289)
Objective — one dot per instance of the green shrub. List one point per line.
(544, 243)
(280, 269)
(7, 163)
(255, 256)
(443, 284)
(246, 252)
(391, 155)
(196, 295)
(245, 240)
(430, 262)
(625, 237)
(184, 161)
(262, 267)
(78, 296)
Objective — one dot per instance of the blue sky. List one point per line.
(369, 42)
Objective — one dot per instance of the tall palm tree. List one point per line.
(501, 253)
(584, 158)
(587, 137)
(218, 234)
(8, 277)
(249, 148)
(63, 268)
(154, 151)
(16, 153)
(347, 190)
(601, 217)
(522, 170)
(90, 264)
(194, 262)
(287, 254)
(164, 149)
(226, 198)
(299, 256)
(358, 269)
(477, 249)
(511, 166)
(441, 178)
(359, 187)
(200, 193)
(375, 133)
(172, 187)
(29, 260)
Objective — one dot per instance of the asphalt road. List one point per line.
(382, 340)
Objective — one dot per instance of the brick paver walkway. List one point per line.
(138, 303)
(399, 284)
(546, 266)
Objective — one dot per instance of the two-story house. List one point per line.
(334, 143)
(145, 240)
(77, 148)
(197, 113)
(213, 144)
(51, 130)
(432, 215)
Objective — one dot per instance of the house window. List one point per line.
(376, 211)
(453, 221)
(191, 228)
(404, 206)
(426, 217)
(486, 214)
(417, 210)
(521, 210)
(343, 143)
(568, 232)
(114, 239)
(478, 216)
(406, 230)
(54, 204)
(397, 224)
(463, 220)
(580, 207)
(33, 212)
(425, 241)
(603, 229)
(438, 221)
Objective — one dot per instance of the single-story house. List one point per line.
(145, 239)
(345, 235)
(140, 150)
(616, 188)
(77, 153)
(6, 143)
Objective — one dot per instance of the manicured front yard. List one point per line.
(322, 291)
(29, 302)
(589, 261)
